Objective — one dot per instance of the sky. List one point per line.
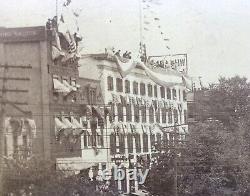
(214, 33)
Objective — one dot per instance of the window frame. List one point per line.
(119, 85)
(127, 86)
(135, 88)
(110, 83)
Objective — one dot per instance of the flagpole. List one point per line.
(56, 11)
(140, 21)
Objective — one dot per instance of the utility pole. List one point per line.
(2, 125)
(175, 161)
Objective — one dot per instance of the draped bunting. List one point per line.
(164, 78)
(125, 65)
(168, 78)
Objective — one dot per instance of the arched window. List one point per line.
(127, 86)
(142, 89)
(145, 142)
(143, 114)
(130, 142)
(175, 116)
(128, 113)
(110, 83)
(170, 117)
(119, 86)
(112, 143)
(151, 114)
(162, 89)
(163, 115)
(185, 117)
(122, 143)
(157, 113)
(136, 113)
(138, 142)
(155, 91)
(135, 88)
(174, 93)
(150, 90)
(120, 112)
(168, 93)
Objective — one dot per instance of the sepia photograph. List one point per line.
(124, 98)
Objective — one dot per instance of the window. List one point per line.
(128, 113)
(150, 90)
(155, 90)
(151, 114)
(110, 83)
(175, 116)
(157, 113)
(127, 86)
(145, 142)
(122, 143)
(138, 142)
(143, 114)
(152, 140)
(170, 117)
(137, 113)
(185, 117)
(120, 112)
(119, 87)
(112, 143)
(174, 93)
(163, 115)
(168, 93)
(135, 88)
(91, 95)
(184, 95)
(112, 113)
(130, 142)
(165, 140)
(158, 137)
(162, 89)
(179, 94)
(142, 89)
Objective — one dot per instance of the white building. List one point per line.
(139, 115)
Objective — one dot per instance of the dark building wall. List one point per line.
(24, 51)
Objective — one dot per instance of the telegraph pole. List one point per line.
(2, 134)
(175, 161)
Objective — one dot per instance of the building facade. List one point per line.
(140, 116)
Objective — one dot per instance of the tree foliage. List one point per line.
(40, 178)
(215, 160)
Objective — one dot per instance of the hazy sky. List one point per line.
(214, 33)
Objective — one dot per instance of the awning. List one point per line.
(79, 128)
(59, 125)
(76, 123)
(68, 123)
(72, 88)
(59, 87)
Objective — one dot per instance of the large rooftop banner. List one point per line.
(177, 62)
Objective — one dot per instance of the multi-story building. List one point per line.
(140, 116)
(40, 96)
